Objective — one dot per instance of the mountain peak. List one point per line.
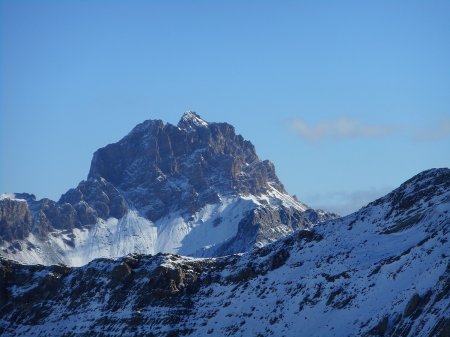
(191, 121)
(161, 168)
(197, 189)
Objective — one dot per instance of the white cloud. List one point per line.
(433, 132)
(345, 202)
(339, 128)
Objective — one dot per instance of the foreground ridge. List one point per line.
(382, 271)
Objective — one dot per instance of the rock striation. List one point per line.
(162, 168)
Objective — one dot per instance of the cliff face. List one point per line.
(15, 219)
(163, 168)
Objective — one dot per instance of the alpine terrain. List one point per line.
(195, 189)
(382, 271)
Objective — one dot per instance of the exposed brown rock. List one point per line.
(15, 219)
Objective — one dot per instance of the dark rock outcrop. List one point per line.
(421, 187)
(77, 208)
(96, 195)
(15, 219)
(162, 168)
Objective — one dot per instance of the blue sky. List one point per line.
(347, 98)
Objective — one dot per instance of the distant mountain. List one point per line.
(382, 271)
(195, 189)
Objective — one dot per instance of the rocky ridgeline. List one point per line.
(78, 208)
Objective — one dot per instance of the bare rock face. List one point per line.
(15, 219)
(77, 208)
(421, 187)
(162, 168)
(97, 196)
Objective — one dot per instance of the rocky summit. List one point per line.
(382, 271)
(196, 188)
(161, 168)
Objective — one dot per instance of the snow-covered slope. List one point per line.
(195, 189)
(205, 233)
(384, 270)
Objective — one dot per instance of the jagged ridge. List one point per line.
(162, 168)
